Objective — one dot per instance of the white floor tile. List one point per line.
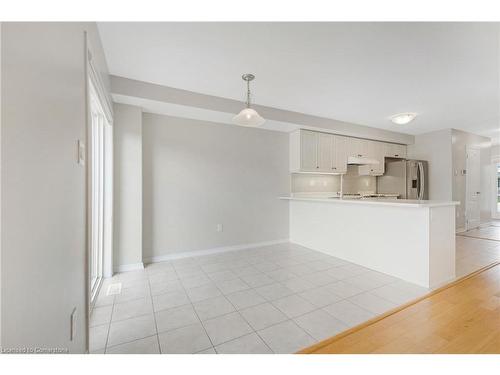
(373, 303)
(262, 316)
(231, 286)
(131, 329)
(176, 318)
(286, 337)
(281, 274)
(130, 309)
(399, 293)
(97, 337)
(203, 292)
(273, 291)
(248, 344)
(148, 345)
(343, 289)
(349, 313)
(207, 351)
(245, 271)
(165, 287)
(226, 327)
(319, 278)
(195, 281)
(130, 294)
(169, 300)
(222, 275)
(245, 298)
(293, 306)
(319, 297)
(320, 324)
(297, 285)
(188, 340)
(256, 280)
(213, 307)
(100, 315)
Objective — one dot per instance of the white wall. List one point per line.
(127, 231)
(199, 174)
(435, 147)
(43, 187)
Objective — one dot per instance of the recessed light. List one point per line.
(403, 118)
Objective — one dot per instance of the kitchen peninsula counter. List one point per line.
(409, 239)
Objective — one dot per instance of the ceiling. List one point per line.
(355, 72)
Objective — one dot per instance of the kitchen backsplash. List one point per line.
(317, 183)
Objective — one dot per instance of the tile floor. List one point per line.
(275, 299)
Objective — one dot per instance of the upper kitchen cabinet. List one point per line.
(377, 150)
(360, 148)
(393, 150)
(318, 152)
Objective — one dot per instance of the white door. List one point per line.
(472, 188)
(308, 151)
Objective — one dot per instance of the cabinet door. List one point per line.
(308, 151)
(400, 151)
(368, 148)
(325, 152)
(339, 159)
(354, 147)
(393, 150)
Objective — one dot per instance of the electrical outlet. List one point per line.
(220, 228)
(72, 333)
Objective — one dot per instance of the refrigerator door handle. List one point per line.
(421, 182)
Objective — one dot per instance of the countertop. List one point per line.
(377, 201)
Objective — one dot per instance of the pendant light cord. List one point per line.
(248, 93)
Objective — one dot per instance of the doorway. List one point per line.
(472, 188)
(496, 198)
(100, 196)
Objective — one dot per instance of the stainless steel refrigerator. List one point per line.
(408, 178)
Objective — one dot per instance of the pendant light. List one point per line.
(248, 116)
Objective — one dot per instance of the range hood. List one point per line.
(360, 160)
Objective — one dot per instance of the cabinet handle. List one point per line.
(317, 166)
(334, 168)
(396, 155)
(359, 155)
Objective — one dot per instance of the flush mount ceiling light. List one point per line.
(248, 116)
(403, 118)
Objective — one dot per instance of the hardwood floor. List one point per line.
(463, 317)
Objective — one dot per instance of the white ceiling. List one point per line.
(355, 72)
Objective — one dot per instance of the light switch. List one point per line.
(81, 152)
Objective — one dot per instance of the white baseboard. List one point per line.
(215, 250)
(129, 267)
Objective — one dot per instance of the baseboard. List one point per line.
(215, 250)
(129, 267)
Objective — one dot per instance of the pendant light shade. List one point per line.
(248, 116)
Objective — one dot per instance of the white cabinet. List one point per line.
(312, 151)
(308, 151)
(339, 157)
(317, 152)
(378, 153)
(325, 152)
(393, 150)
